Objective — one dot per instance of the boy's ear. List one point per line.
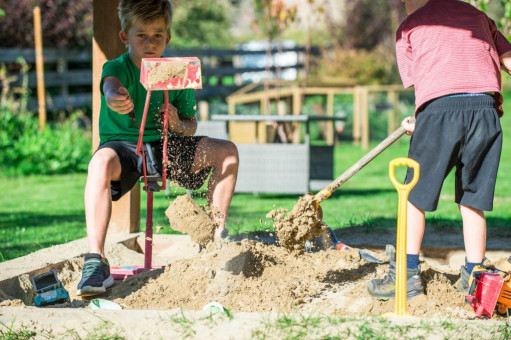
(169, 36)
(122, 36)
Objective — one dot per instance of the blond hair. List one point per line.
(146, 11)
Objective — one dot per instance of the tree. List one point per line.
(65, 23)
(201, 23)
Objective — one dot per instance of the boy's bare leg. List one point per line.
(222, 155)
(103, 167)
(415, 224)
(474, 233)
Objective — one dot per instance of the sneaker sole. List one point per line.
(91, 291)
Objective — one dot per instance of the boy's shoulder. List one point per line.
(121, 67)
(440, 14)
(122, 60)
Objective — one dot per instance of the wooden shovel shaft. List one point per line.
(334, 185)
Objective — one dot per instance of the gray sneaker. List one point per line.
(462, 284)
(385, 288)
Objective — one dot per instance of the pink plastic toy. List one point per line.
(488, 287)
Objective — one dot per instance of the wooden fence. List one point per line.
(68, 74)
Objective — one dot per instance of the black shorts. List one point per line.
(461, 132)
(181, 153)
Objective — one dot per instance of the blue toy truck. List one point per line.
(49, 289)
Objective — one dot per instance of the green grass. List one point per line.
(7, 332)
(39, 211)
(284, 326)
(301, 326)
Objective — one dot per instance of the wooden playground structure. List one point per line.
(244, 132)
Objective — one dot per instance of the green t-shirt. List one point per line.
(115, 126)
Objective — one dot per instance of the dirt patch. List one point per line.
(298, 226)
(187, 217)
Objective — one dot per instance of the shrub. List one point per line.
(60, 148)
(361, 66)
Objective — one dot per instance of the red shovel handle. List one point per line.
(142, 124)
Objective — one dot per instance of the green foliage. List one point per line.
(61, 148)
(366, 67)
(362, 47)
(201, 23)
(272, 17)
(502, 12)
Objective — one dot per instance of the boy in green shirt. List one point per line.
(115, 168)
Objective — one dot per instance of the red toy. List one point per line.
(485, 290)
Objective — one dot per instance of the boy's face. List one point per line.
(145, 40)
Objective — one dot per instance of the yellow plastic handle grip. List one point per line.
(403, 161)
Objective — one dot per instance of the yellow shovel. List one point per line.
(402, 190)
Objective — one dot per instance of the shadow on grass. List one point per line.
(31, 219)
(374, 224)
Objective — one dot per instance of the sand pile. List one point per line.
(251, 276)
(242, 276)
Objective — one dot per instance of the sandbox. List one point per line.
(252, 274)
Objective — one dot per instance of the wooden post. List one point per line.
(106, 45)
(330, 113)
(393, 98)
(297, 109)
(39, 63)
(356, 114)
(264, 107)
(364, 117)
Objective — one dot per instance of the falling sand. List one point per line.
(300, 225)
(187, 217)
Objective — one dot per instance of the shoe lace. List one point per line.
(91, 269)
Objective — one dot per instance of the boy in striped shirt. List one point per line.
(452, 54)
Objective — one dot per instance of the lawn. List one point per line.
(39, 211)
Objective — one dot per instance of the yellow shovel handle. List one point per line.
(402, 162)
(403, 190)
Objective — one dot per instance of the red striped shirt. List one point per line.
(449, 46)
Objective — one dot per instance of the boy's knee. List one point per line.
(103, 163)
(232, 149)
(231, 153)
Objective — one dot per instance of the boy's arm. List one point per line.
(505, 60)
(116, 95)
